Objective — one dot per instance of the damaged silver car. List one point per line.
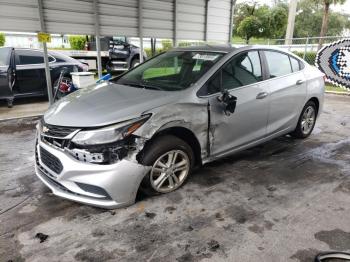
(148, 128)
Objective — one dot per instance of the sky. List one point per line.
(345, 8)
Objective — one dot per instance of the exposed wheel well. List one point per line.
(136, 56)
(317, 103)
(187, 136)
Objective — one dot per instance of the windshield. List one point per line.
(171, 71)
(4, 56)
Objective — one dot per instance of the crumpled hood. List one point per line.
(105, 104)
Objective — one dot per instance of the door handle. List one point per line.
(299, 82)
(261, 95)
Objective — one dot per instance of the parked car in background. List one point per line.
(22, 71)
(148, 128)
(122, 54)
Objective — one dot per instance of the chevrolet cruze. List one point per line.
(148, 128)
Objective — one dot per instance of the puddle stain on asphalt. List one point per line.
(336, 239)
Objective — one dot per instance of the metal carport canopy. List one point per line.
(205, 20)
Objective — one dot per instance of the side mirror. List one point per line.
(229, 101)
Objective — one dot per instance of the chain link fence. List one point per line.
(305, 47)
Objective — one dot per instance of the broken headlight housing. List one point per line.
(109, 134)
(108, 144)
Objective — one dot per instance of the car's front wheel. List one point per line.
(135, 62)
(171, 160)
(306, 121)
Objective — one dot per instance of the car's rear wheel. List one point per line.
(171, 160)
(306, 121)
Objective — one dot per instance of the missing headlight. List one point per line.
(103, 154)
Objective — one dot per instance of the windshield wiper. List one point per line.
(141, 85)
(146, 85)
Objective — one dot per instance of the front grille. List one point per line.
(57, 131)
(51, 161)
(58, 142)
(55, 135)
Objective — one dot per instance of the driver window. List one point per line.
(243, 69)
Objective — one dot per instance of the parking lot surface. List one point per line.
(285, 200)
(27, 107)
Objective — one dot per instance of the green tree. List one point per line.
(251, 20)
(77, 42)
(278, 21)
(249, 27)
(2, 39)
(309, 20)
(242, 10)
(326, 4)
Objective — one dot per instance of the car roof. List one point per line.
(227, 48)
(209, 48)
(50, 52)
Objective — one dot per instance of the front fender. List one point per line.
(192, 116)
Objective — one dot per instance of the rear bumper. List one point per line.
(105, 186)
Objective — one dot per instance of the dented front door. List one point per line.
(240, 78)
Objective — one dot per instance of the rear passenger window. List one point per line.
(278, 63)
(28, 57)
(295, 64)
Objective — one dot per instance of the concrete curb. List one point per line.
(20, 117)
(341, 93)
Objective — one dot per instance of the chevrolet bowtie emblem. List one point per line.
(45, 129)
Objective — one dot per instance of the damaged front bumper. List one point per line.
(106, 186)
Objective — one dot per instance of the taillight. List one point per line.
(84, 67)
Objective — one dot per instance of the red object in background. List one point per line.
(64, 87)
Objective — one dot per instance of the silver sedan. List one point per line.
(148, 128)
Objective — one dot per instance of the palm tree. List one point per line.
(324, 27)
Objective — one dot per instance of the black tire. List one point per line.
(298, 132)
(134, 62)
(156, 149)
(9, 103)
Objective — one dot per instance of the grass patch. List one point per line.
(252, 41)
(334, 88)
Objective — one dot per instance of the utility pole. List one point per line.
(291, 20)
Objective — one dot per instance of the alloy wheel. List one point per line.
(169, 171)
(308, 120)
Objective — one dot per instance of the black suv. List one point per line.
(22, 71)
(122, 54)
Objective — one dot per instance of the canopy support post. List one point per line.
(141, 29)
(46, 57)
(98, 40)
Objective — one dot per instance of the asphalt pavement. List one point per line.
(285, 200)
